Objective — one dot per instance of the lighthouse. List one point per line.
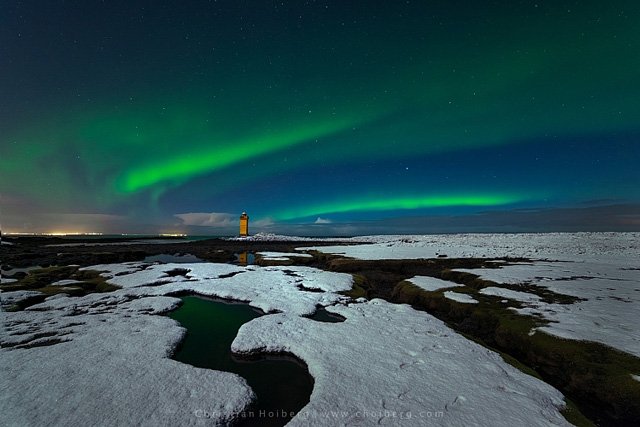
(244, 224)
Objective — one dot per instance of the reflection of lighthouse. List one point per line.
(244, 224)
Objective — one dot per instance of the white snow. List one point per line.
(608, 313)
(66, 282)
(282, 256)
(270, 237)
(431, 283)
(7, 280)
(390, 364)
(111, 366)
(68, 355)
(603, 268)
(592, 321)
(510, 294)
(110, 348)
(268, 288)
(61, 358)
(611, 248)
(4, 242)
(636, 377)
(458, 297)
(559, 276)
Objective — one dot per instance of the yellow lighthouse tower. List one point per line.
(244, 224)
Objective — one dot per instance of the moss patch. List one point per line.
(572, 414)
(86, 281)
(358, 290)
(291, 260)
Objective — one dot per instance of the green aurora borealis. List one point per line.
(407, 203)
(138, 111)
(224, 154)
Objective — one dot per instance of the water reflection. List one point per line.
(245, 258)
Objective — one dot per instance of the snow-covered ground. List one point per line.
(610, 248)
(510, 294)
(111, 366)
(458, 297)
(608, 312)
(431, 284)
(66, 282)
(62, 359)
(601, 268)
(290, 289)
(270, 237)
(389, 364)
(282, 256)
(114, 348)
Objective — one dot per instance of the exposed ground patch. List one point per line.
(43, 281)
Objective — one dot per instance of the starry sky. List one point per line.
(319, 117)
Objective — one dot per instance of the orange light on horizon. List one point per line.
(53, 233)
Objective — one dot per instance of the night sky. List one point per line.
(319, 117)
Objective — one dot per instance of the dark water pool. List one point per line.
(322, 315)
(245, 258)
(282, 384)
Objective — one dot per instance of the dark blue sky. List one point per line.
(118, 116)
